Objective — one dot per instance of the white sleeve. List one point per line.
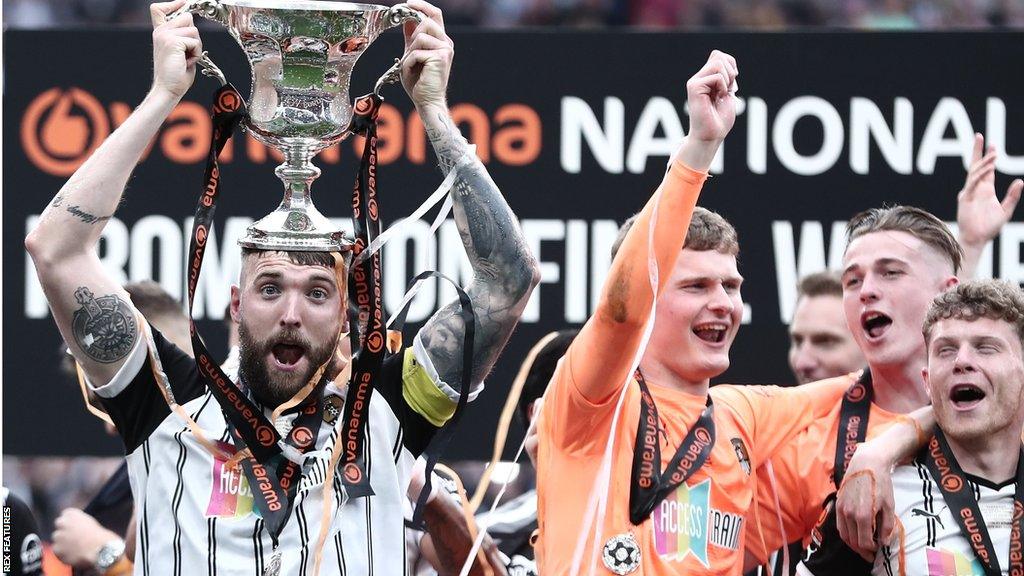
(127, 373)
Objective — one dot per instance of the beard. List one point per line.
(252, 364)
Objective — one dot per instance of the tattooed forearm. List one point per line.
(448, 143)
(104, 327)
(83, 215)
(505, 271)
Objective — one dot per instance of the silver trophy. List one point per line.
(301, 53)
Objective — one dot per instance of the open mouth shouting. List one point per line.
(965, 396)
(711, 332)
(875, 324)
(287, 354)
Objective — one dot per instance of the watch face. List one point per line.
(109, 554)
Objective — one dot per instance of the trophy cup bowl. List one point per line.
(301, 54)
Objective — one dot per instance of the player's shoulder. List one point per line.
(755, 392)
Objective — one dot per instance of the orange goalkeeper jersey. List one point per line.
(803, 472)
(698, 528)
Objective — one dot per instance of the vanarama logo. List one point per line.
(684, 523)
(61, 127)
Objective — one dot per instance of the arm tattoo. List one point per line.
(504, 270)
(83, 215)
(104, 327)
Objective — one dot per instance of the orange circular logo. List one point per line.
(228, 101)
(61, 128)
(303, 437)
(856, 392)
(702, 435)
(353, 473)
(374, 342)
(952, 483)
(1018, 511)
(201, 235)
(265, 436)
(371, 209)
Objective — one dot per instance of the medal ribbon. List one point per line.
(273, 484)
(964, 506)
(648, 487)
(273, 477)
(853, 424)
(368, 333)
(259, 434)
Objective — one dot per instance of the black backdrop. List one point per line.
(575, 128)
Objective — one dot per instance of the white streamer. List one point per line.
(598, 503)
(599, 493)
(441, 192)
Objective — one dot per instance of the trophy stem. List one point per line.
(297, 173)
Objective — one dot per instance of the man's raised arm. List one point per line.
(92, 311)
(504, 270)
(615, 330)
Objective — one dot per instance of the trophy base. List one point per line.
(290, 229)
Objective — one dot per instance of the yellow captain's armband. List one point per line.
(422, 394)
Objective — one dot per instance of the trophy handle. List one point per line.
(397, 14)
(213, 10)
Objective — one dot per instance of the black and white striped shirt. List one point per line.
(196, 517)
(932, 543)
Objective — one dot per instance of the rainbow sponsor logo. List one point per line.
(681, 523)
(230, 496)
(943, 562)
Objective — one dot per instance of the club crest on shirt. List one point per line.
(230, 495)
(741, 454)
(684, 523)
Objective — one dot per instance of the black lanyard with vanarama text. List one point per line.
(964, 506)
(648, 485)
(272, 477)
(273, 483)
(853, 424)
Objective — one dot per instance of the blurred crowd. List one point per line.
(759, 14)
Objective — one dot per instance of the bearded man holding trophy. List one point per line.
(300, 462)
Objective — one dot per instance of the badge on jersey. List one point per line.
(621, 554)
(741, 454)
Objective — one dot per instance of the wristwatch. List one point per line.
(109, 554)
